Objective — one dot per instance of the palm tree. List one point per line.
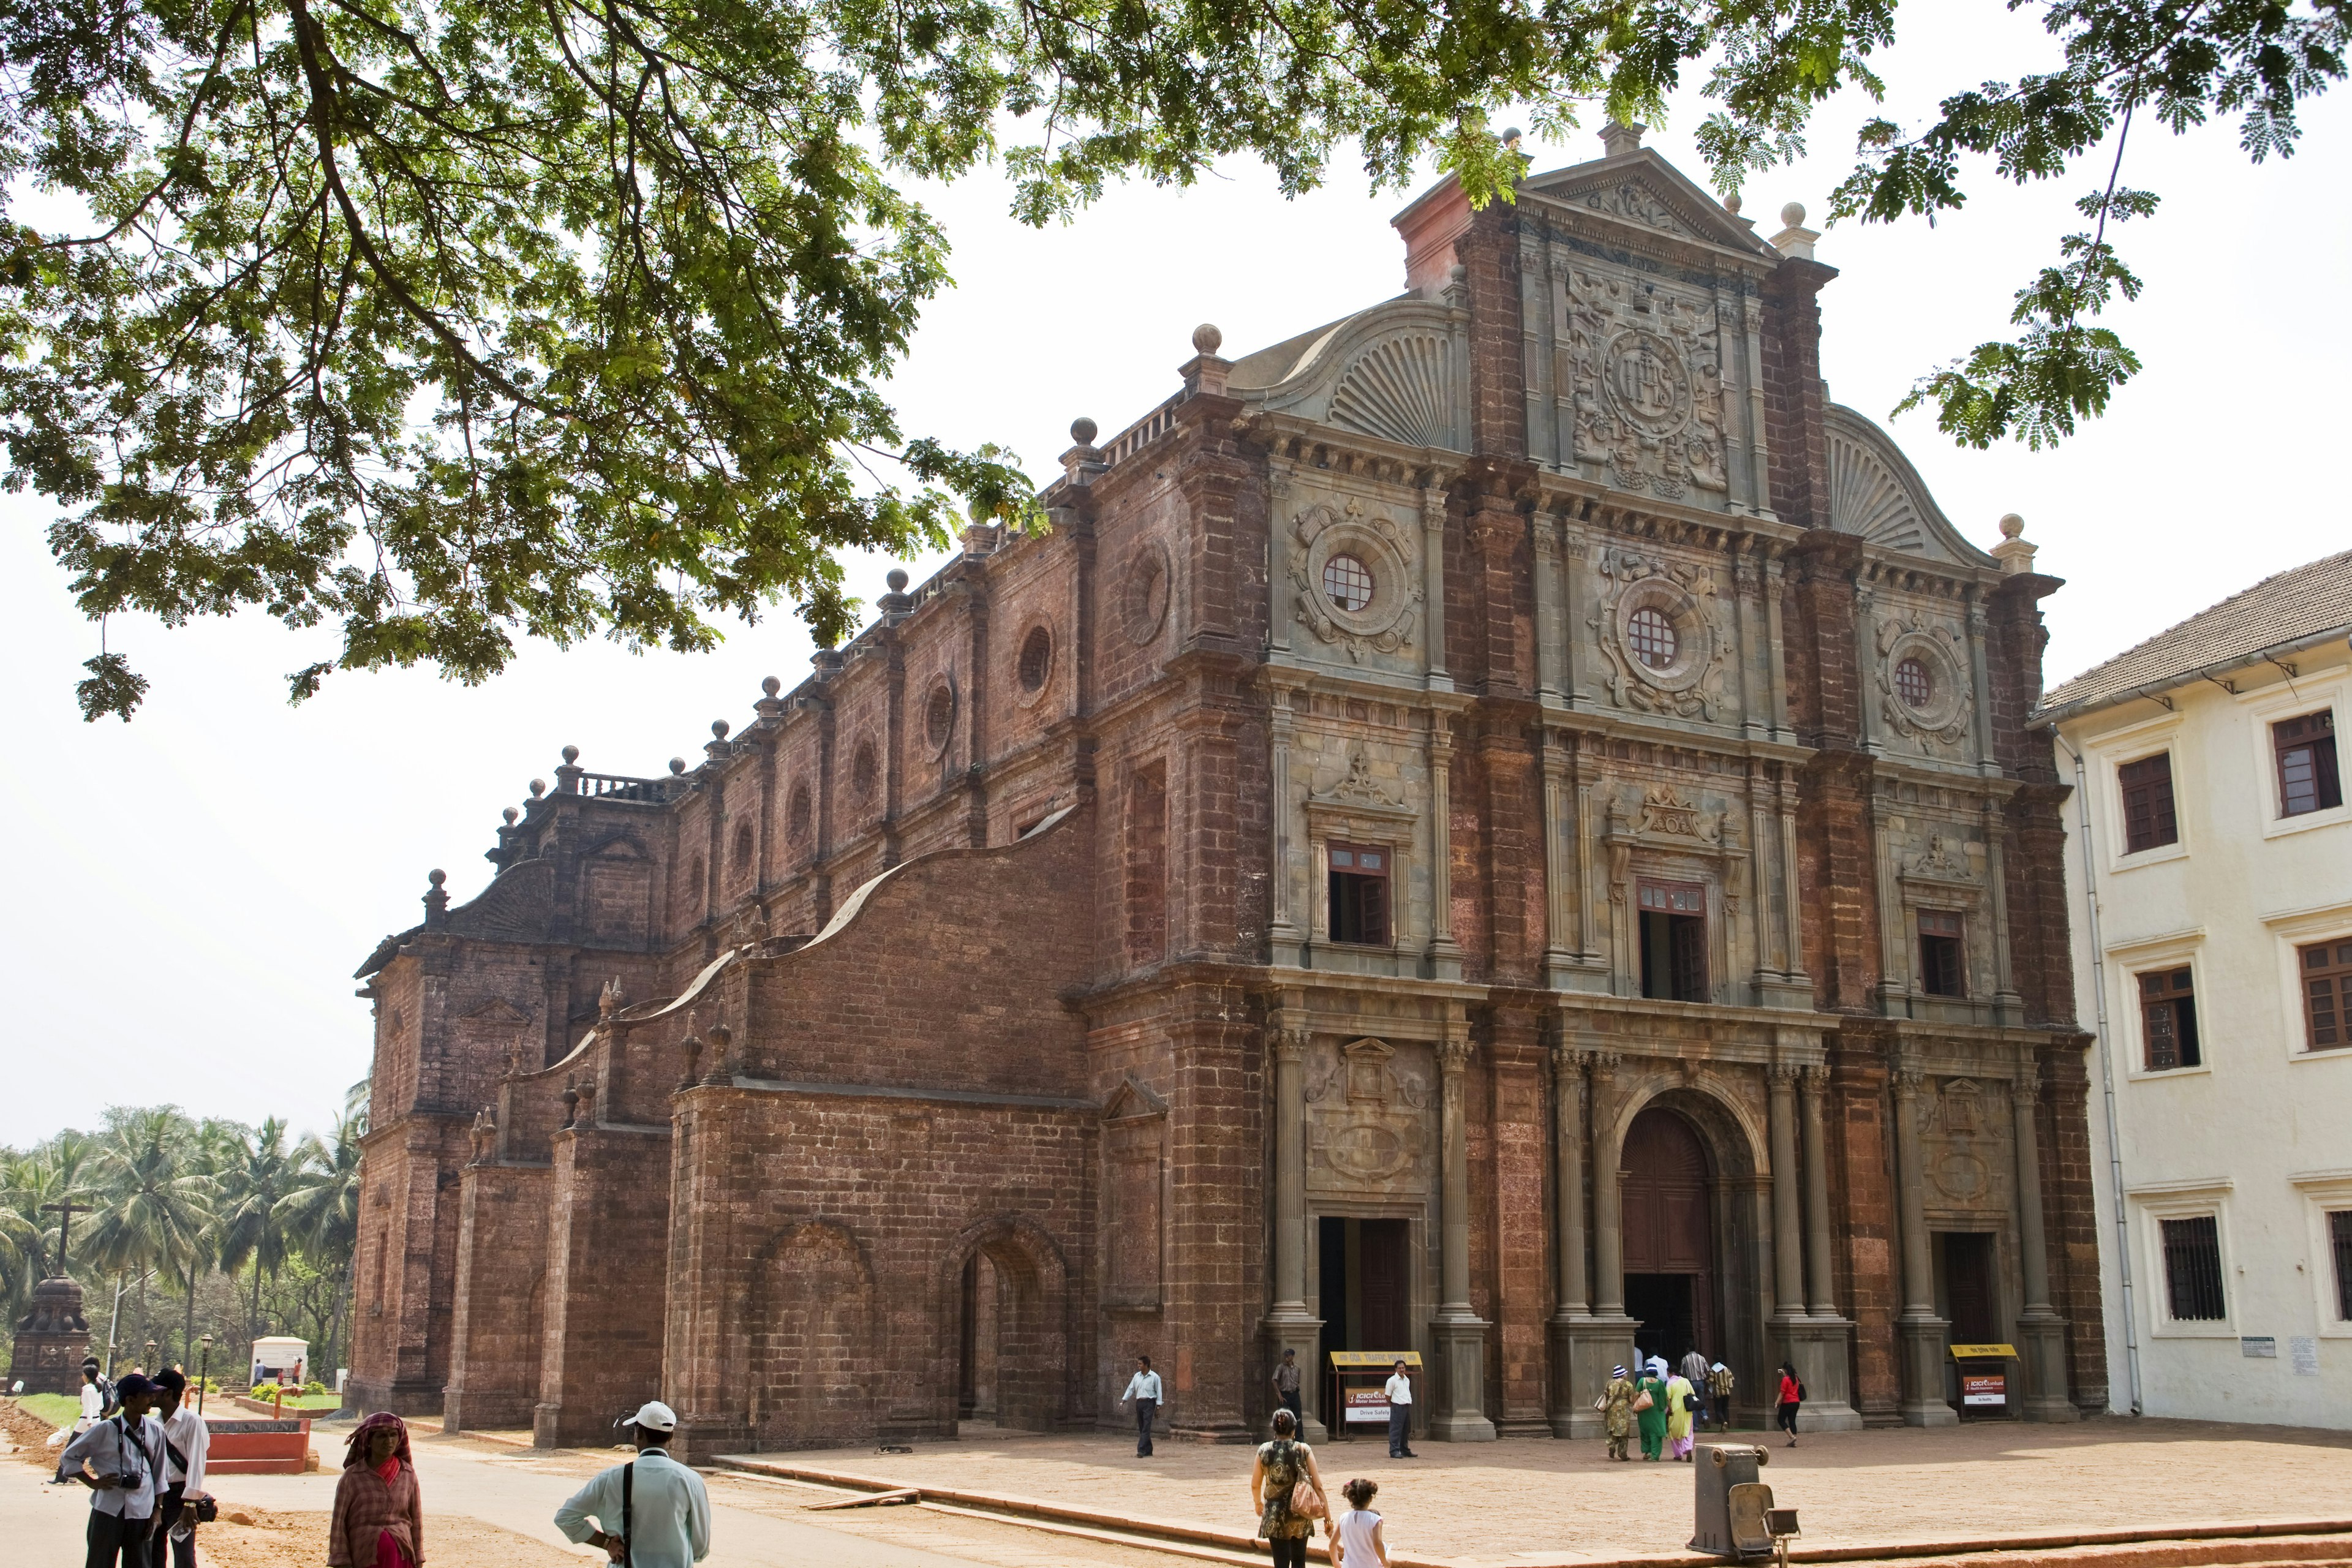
(248, 1227)
(321, 1214)
(154, 1207)
(22, 1257)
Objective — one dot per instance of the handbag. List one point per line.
(1642, 1401)
(1305, 1501)
(1600, 1401)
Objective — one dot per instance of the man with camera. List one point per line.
(661, 1509)
(186, 1441)
(119, 1458)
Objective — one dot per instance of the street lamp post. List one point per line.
(151, 1368)
(203, 1366)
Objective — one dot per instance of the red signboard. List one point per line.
(1984, 1388)
(1370, 1405)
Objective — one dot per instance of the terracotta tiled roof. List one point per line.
(2292, 606)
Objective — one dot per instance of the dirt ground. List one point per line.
(259, 1537)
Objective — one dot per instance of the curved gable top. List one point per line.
(1875, 492)
(1395, 372)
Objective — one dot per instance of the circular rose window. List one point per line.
(1913, 684)
(1349, 581)
(1036, 658)
(1650, 636)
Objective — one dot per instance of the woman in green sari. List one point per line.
(1654, 1419)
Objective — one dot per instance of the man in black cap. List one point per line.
(118, 1459)
(186, 1443)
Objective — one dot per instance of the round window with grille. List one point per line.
(1913, 684)
(1036, 658)
(1349, 581)
(1651, 635)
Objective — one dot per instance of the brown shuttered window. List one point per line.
(2326, 973)
(2192, 1269)
(1674, 941)
(2307, 777)
(2339, 1242)
(1360, 894)
(2147, 804)
(2167, 1011)
(1940, 973)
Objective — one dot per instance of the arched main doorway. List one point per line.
(1669, 1228)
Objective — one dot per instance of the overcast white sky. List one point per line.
(190, 892)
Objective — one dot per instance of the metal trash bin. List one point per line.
(1720, 1468)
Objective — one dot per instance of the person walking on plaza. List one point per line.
(1650, 1410)
(660, 1508)
(1356, 1540)
(1274, 1493)
(1144, 1389)
(95, 1397)
(379, 1518)
(186, 1441)
(1399, 1392)
(1617, 1412)
(1720, 1383)
(1681, 1401)
(1792, 1395)
(1692, 1366)
(1285, 1384)
(118, 1459)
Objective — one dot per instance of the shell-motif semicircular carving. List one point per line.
(1400, 390)
(1867, 498)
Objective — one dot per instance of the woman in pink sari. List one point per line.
(379, 1521)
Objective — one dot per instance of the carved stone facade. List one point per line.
(1432, 767)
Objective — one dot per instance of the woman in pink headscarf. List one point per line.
(379, 1519)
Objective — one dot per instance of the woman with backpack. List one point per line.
(1287, 1490)
(1792, 1395)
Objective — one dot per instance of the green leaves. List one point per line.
(454, 321)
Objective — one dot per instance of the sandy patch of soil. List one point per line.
(264, 1538)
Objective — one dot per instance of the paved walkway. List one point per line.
(1507, 1501)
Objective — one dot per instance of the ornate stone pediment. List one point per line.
(1876, 493)
(1645, 366)
(1647, 192)
(1131, 1101)
(1943, 860)
(1368, 1124)
(1667, 811)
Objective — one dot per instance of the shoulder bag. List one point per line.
(1642, 1400)
(628, 1485)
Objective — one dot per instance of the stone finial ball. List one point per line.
(570, 755)
(678, 765)
(718, 728)
(1731, 203)
(772, 686)
(437, 877)
(538, 788)
(1793, 214)
(510, 814)
(896, 578)
(1207, 339)
(1458, 273)
(2011, 525)
(1082, 431)
(1511, 137)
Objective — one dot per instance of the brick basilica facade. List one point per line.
(1500, 826)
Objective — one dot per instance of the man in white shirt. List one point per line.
(93, 1396)
(186, 1441)
(1399, 1392)
(660, 1507)
(1144, 1389)
(120, 1454)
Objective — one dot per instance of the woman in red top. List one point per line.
(1792, 1394)
(379, 1521)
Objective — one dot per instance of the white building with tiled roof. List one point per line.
(2211, 878)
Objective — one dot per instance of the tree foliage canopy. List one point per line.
(452, 320)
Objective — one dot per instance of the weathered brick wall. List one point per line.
(497, 1330)
(1859, 1132)
(607, 1282)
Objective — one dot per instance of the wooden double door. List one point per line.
(1668, 1213)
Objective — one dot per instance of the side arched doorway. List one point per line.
(1669, 1227)
(1004, 1294)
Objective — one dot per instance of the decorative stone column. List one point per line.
(1918, 1332)
(1820, 1342)
(1459, 1333)
(1288, 1323)
(1788, 1258)
(1608, 1198)
(1587, 1343)
(1285, 934)
(2041, 1331)
(1445, 956)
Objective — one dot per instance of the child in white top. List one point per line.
(1356, 1540)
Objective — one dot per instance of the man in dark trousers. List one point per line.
(1286, 1386)
(186, 1443)
(1144, 1389)
(1400, 1393)
(119, 1461)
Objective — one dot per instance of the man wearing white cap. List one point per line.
(652, 1512)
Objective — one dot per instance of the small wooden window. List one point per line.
(2148, 821)
(2192, 1269)
(1941, 972)
(2307, 777)
(2339, 1243)
(2325, 969)
(2168, 1012)
(1360, 893)
(1674, 941)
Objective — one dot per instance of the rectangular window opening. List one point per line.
(2167, 1010)
(2149, 820)
(2307, 777)
(2339, 1242)
(1672, 918)
(1940, 971)
(2192, 1269)
(2325, 971)
(1360, 894)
